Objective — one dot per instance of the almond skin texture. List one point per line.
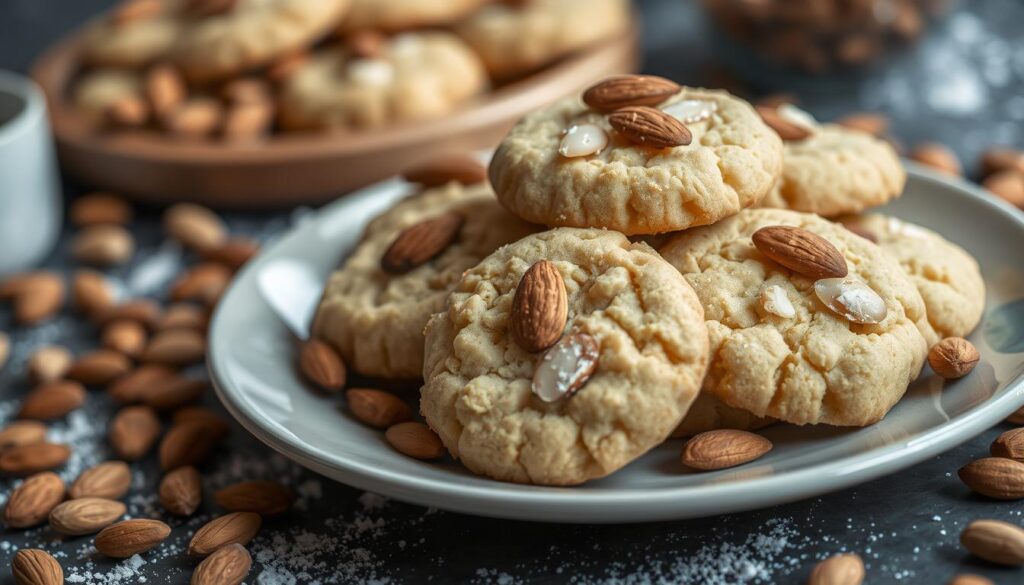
(53, 400)
(172, 393)
(1009, 445)
(321, 365)
(183, 316)
(461, 168)
(953, 357)
(30, 503)
(629, 90)
(415, 440)
(539, 308)
(36, 296)
(176, 347)
(127, 337)
(420, 243)
(144, 311)
(234, 528)
(133, 387)
(228, 566)
(204, 283)
(133, 431)
(266, 498)
(1007, 185)
(131, 537)
(195, 227)
(786, 130)
(938, 157)
(181, 491)
(996, 542)
(377, 408)
(85, 515)
(845, 569)
(22, 432)
(801, 251)
(723, 448)
(100, 367)
(32, 566)
(650, 127)
(234, 253)
(103, 245)
(28, 459)
(995, 477)
(110, 480)
(187, 444)
(91, 293)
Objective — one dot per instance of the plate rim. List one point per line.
(543, 503)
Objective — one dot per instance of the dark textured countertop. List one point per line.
(962, 87)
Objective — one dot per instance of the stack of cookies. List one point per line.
(650, 260)
(238, 70)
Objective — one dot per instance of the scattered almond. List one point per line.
(786, 129)
(872, 123)
(968, 579)
(110, 479)
(181, 491)
(52, 400)
(648, 126)
(171, 393)
(723, 448)
(130, 111)
(131, 537)
(5, 349)
(103, 245)
(1009, 445)
(187, 444)
(195, 227)
(801, 251)
(415, 440)
(22, 432)
(233, 528)
(200, 413)
(91, 293)
(30, 503)
(465, 169)
(165, 90)
(234, 253)
(844, 569)
(85, 515)
(144, 311)
(421, 242)
(939, 157)
(33, 458)
(995, 541)
(32, 566)
(227, 566)
(246, 90)
(995, 477)
(133, 431)
(1008, 185)
(321, 365)
(175, 347)
(248, 122)
(377, 408)
(629, 90)
(183, 316)
(36, 296)
(99, 367)
(266, 498)
(49, 364)
(953, 357)
(999, 159)
(204, 283)
(539, 308)
(127, 337)
(100, 209)
(197, 118)
(133, 387)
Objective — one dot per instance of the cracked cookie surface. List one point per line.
(653, 355)
(731, 163)
(375, 319)
(816, 367)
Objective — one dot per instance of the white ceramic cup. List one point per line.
(30, 195)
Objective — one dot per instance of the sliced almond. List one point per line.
(195, 227)
(321, 365)
(465, 169)
(85, 515)
(99, 367)
(852, 299)
(648, 126)
(187, 444)
(844, 569)
(938, 157)
(33, 458)
(103, 245)
(266, 498)
(566, 367)
(539, 308)
(415, 440)
(100, 209)
(165, 90)
(171, 393)
(801, 251)
(995, 541)
(36, 296)
(110, 479)
(582, 140)
(22, 432)
(629, 90)
(995, 477)
(234, 253)
(204, 283)
(786, 129)
(227, 566)
(723, 448)
(233, 528)
(49, 364)
(377, 408)
(953, 357)
(92, 294)
(133, 431)
(181, 491)
(421, 242)
(1009, 445)
(30, 503)
(32, 566)
(175, 347)
(53, 400)
(126, 337)
(131, 537)
(134, 386)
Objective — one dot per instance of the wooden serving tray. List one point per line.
(292, 169)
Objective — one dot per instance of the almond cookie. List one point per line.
(566, 166)
(947, 277)
(778, 350)
(375, 316)
(96, 91)
(516, 38)
(416, 76)
(133, 35)
(835, 170)
(398, 15)
(627, 366)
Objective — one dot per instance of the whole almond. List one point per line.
(181, 491)
(377, 408)
(234, 253)
(801, 251)
(99, 367)
(969, 579)
(195, 227)
(188, 444)
(53, 400)
(844, 569)
(143, 311)
(165, 90)
(539, 308)
(30, 503)
(204, 283)
(183, 316)
(133, 431)
(998, 159)
(723, 448)
(127, 337)
(233, 528)
(1009, 445)
(939, 157)
(248, 122)
(953, 357)
(175, 347)
(995, 541)
(91, 293)
(421, 242)
(130, 111)
(172, 393)
(32, 566)
(134, 386)
(786, 129)
(266, 498)
(103, 245)
(463, 168)
(321, 365)
(49, 364)
(415, 440)
(33, 458)
(227, 566)
(1007, 185)
(110, 479)
(566, 367)
(22, 432)
(85, 515)
(36, 296)
(131, 537)
(629, 90)
(199, 413)
(100, 209)
(995, 477)
(246, 90)
(870, 122)
(197, 118)
(648, 126)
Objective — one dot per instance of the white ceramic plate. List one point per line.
(252, 353)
